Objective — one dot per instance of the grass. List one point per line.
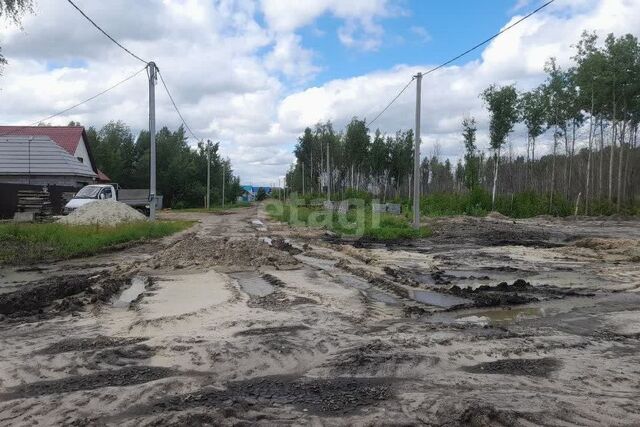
(517, 205)
(30, 243)
(356, 222)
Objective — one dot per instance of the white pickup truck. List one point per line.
(136, 198)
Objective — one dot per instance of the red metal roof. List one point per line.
(102, 177)
(67, 137)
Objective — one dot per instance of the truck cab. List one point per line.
(91, 193)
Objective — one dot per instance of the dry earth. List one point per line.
(243, 321)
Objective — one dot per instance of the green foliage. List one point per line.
(29, 243)
(261, 194)
(353, 223)
(502, 103)
(181, 170)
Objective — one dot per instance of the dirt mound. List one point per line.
(110, 378)
(102, 212)
(199, 251)
(317, 396)
(497, 215)
(626, 248)
(531, 367)
(83, 344)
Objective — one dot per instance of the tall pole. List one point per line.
(152, 140)
(328, 175)
(416, 155)
(223, 179)
(302, 179)
(208, 173)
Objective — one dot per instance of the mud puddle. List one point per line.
(438, 299)
(253, 284)
(367, 289)
(132, 293)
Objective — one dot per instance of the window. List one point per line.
(107, 193)
(80, 159)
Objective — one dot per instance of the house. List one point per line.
(249, 193)
(72, 139)
(38, 160)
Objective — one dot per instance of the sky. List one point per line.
(253, 74)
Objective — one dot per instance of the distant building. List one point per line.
(72, 139)
(249, 192)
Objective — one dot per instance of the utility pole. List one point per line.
(416, 156)
(302, 179)
(208, 173)
(328, 175)
(223, 179)
(151, 68)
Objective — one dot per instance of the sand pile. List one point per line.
(103, 212)
(627, 249)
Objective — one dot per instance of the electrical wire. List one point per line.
(105, 33)
(392, 101)
(444, 64)
(176, 106)
(78, 104)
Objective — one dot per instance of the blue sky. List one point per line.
(424, 32)
(253, 74)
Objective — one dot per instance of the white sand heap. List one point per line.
(102, 212)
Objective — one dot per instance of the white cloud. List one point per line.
(238, 80)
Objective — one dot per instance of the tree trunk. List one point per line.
(601, 155)
(495, 179)
(586, 193)
(553, 167)
(620, 162)
(611, 155)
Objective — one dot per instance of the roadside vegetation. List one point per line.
(571, 141)
(356, 222)
(31, 243)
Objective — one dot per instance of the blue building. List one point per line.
(249, 192)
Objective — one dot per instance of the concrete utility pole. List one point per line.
(302, 179)
(416, 155)
(151, 68)
(223, 176)
(208, 173)
(328, 176)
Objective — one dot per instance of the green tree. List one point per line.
(13, 10)
(261, 194)
(471, 166)
(502, 105)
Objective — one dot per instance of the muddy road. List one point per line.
(240, 320)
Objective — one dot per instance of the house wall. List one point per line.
(81, 151)
(67, 181)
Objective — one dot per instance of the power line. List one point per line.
(105, 33)
(79, 103)
(444, 64)
(392, 101)
(176, 107)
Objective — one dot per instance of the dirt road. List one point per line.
(241, 320)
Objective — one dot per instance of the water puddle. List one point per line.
(367, 289)
(253, 284)
(321, 264)
(501, 316)
(127, 296)
(437, 299)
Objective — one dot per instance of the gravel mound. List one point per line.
(103, 212)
